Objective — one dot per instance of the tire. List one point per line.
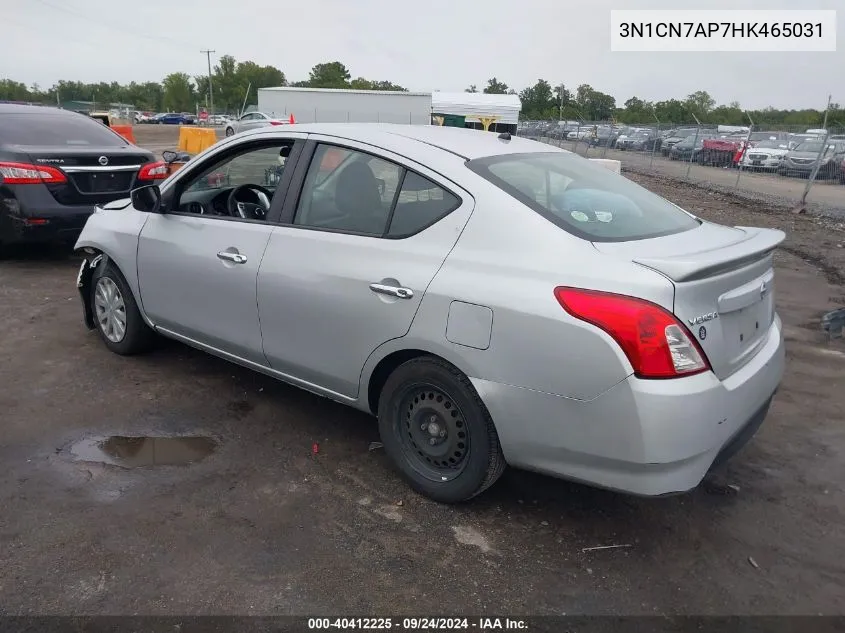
(137, 336)
(447, 395)
(230, 131)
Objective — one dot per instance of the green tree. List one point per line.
(672, 111)
(361, 83)
(538, 101)
(596, 105)
(179, 95)
(700, 103)
(472, 88)
(329, 75)
(496, 87)
(14, 91)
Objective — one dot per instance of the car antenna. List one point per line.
(505, 136)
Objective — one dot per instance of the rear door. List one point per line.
(362, 241)
(249, 121)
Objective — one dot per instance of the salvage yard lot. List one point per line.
(264, 526)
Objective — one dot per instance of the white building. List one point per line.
(324, 105)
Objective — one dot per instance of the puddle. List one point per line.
(137, 452)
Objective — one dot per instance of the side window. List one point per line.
(347, 190)
(238, 185)
(420, 203)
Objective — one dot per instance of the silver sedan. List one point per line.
(251, 121)
(492, 300)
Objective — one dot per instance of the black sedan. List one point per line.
(56, 165)
(688, 148)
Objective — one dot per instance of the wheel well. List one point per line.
(385, 367)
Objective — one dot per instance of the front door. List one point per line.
(198, 261)
(347, 274)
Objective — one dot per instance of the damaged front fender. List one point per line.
(84, 286)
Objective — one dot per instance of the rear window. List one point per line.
(56, 130)
(583, 198)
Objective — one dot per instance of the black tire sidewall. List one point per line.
(431, 372)
(137, 334)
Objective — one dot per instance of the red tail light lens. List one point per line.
(655, 342)
(153, 171)
(28, 174)
(277, 123)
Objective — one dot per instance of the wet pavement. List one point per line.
(140, 452)
(96, 522)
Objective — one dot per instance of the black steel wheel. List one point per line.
(437, 431)
(433, 432)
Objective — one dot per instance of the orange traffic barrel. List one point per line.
(126, 132)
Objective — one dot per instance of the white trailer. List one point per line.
(500, 112)
(323, 105)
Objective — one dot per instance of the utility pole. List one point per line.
(822, 152)
(560, 118)
(210, 91)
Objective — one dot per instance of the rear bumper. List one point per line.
(29, 213)
(645, 437)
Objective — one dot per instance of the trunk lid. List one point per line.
(94, 176)
(724, 281)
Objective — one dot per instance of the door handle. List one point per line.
(236, 258)
(393, 291)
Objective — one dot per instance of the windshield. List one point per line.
(55, 130)
(771, 145)
(582, 197)
(809, 146)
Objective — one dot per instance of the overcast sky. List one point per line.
(422, 45)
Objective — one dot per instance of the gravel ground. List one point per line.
(264, 526)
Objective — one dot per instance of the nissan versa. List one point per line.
(492, 300)
(55, 165)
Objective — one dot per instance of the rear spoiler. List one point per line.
(757, 244)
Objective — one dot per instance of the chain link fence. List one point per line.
(790, 165)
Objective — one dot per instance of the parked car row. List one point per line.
(165, 118)
(784, 153)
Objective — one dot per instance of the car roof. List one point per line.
(463, 142)
(19, 108)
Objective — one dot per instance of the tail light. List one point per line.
(655, 342)
(29, 174)
(277, 122)
(154, 171)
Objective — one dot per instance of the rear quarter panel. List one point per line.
(510, 260)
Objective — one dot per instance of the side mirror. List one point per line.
(169, 156)
(146, 199)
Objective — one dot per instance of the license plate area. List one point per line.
(103, 182)
(745, 328)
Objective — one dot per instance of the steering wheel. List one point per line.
(249, 210)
